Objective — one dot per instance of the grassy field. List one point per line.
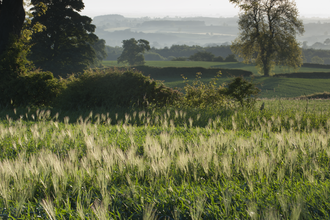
(270, 87)
(248, 67)
(167, 163)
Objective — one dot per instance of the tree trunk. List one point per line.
(12, 16)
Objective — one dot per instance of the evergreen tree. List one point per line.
(66, 44)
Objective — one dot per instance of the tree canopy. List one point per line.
(12, 15)
(133, 51)
(202, 56)
(267, 33)
(66, 45)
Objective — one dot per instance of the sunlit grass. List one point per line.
(168, 163)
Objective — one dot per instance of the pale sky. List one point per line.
(184, 8)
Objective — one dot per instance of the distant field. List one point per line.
(248, 67)
(270, 87)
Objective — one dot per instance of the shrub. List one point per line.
(203, 95)
(218, 59)
(243, 91)
(112, 88)
(317, 60)
(231, 58)
(34, 88)
(153, 56)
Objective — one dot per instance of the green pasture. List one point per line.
(225, 65)
(271, 87)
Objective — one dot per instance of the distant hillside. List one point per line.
(190, 31)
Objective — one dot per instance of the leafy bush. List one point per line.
(218, 59)
(317, 60)
(20, 85)
(111, 88)
(231, 58)
(153, 56)
(243, 91)
(202, 95)
(33, 88)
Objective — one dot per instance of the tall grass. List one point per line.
(167, 164)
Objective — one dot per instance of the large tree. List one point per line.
(268, 30)
(133, 51)
(65, 46)
(12, 17)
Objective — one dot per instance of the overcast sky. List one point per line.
(184, 8)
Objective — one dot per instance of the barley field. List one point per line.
(167, 163)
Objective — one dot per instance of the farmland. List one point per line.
(170, 162)
(270, 87)
(167, 163)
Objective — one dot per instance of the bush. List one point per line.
(243, 91)
(218, 59)
(153, 56)
(113, 88)
(231, 58)
(203, 95)
(317, 60)
(33, 88)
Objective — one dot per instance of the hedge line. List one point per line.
(309, 75)
(161, 72)
(315, 65)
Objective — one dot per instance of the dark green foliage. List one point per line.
(190, 72)
(306, 75)
(99, 48)
(314, 65)
(308, 54)
(14, 61)
(202, 95)
(34, 88)
(113, 52)
(65, 46)
(133, 51)
(202, 56)
(114, 88)
(218, 59)
(243, 91)
(19, 85)
(231, 58)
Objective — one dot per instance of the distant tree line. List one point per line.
(175, 51)
(184, 52)
(316, 56)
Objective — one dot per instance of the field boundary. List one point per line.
(308, 75)
(157, 72)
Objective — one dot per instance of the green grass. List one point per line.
(270, 87)
(230, 65)
(167, 163)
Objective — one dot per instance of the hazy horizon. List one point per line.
(185, 8)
